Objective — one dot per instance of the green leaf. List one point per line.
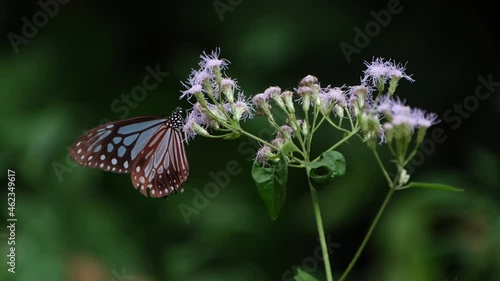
(271, 184)
(304, 276)
(434, 186)
(288, 147)
(330, 165)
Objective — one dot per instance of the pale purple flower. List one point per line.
(198, 77)
(278, 142)
(397, 71)
(285, 132)
(191, 91)
(360, 97)
(379, 71)
(333, 96)
(308, 80)
(228, 87)
(195, 124)
(195, 83)
(263, 155)
(242, 108)
(209, 61)
(304, 91)
(228, 82)
(275, 94)
(397, 113)
(271, 92)
(286, 97)
(423, 119)
(199, 116)
(189, 132)
(376, 71)
(260, 99)
(305, 94)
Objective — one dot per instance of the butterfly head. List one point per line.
(176, 120)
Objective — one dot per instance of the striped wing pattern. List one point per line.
(151, 148)
(162, 165)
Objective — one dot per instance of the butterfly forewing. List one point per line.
(114, 146)
(162, 166)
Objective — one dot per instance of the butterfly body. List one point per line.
(150, 148)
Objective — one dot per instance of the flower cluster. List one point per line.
(378, 72)
(369, 108)
(218, 103)
(370, 111)
(401, 121)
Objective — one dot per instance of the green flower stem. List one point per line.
(298, 132)
(412, 154)
(218, 136)
(386, 175)
(368, 235)
(312, 128)
(321, 232)
(300, 166)
(319, 124)
(336, 126)
(241, 131)
(350, 117)
(391, 149)
(340, 142)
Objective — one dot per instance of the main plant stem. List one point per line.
(367, 236)
(321, 231)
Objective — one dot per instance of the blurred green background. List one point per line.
(83, 225)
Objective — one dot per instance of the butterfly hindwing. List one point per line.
(162, 166)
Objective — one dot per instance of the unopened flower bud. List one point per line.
(404, 177)
(305, 128)
(278, 142)
(308, 81)
(285, 132)
(200, 130)
(305, 93)
(274, 93)
(227, 87)
(370, 124)
(286, 97)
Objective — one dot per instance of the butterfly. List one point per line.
(150, 148)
